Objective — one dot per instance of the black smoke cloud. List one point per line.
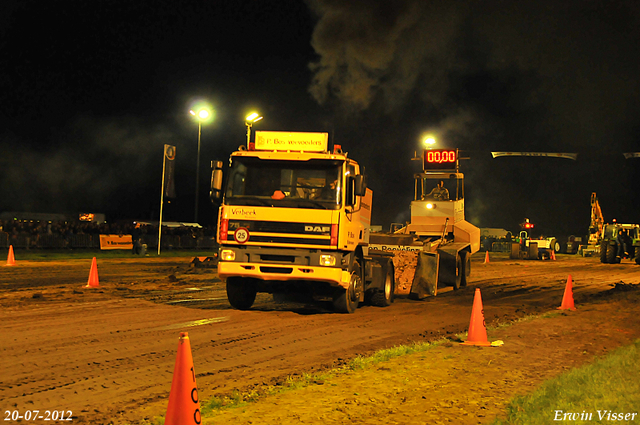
(493, 75)
(572, 62)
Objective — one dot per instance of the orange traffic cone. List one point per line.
(93, 275)
(567, 298)
(184, 406)
(486, 258)
(11, 261)
(477, 329)
(553, 255)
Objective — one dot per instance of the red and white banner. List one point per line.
(116, 242)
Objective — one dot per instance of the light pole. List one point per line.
(249, 121)
(203, 114)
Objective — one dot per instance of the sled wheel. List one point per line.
(465, 258)
(459, 272)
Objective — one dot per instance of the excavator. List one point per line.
(596, 230)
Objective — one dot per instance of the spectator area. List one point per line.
(52, 234)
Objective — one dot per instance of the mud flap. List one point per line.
(425, 280)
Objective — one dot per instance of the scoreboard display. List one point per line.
(440, 159)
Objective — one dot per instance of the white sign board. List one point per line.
(572, 156)
(288, 141)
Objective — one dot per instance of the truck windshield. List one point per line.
(291, 184)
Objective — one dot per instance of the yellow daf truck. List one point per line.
(294, 217)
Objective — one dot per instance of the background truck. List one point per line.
(438, 232)
(294, 218)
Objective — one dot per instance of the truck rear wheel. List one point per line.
(384, 297)
(241, 293)
(347, 300)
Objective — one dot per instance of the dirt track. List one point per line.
(107, 354)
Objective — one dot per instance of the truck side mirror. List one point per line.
(360, 185)
(216, 181)
(356, 186)
(350, 195)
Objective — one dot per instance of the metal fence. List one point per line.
(83, 241)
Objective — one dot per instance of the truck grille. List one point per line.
(278, 258)
(282, 270)
(281, 227)
(274, 232)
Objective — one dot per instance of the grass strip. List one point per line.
(240, 399)
(596, 393)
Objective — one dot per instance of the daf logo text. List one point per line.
(321, 229)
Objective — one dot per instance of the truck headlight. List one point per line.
(327, 260)
(430, 206)
(227, 255)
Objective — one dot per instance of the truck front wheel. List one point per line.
(347, 300)
(241, 292)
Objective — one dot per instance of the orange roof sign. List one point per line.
(290, 141)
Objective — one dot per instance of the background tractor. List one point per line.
(611, 240)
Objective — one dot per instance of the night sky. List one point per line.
(91, 91)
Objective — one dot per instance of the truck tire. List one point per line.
(459, 272)
(603, 252)
(638, 255)
(241, 293)
(347, 300)
(384, 297)
(557, 247)
(465, 258)
(610, 253)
